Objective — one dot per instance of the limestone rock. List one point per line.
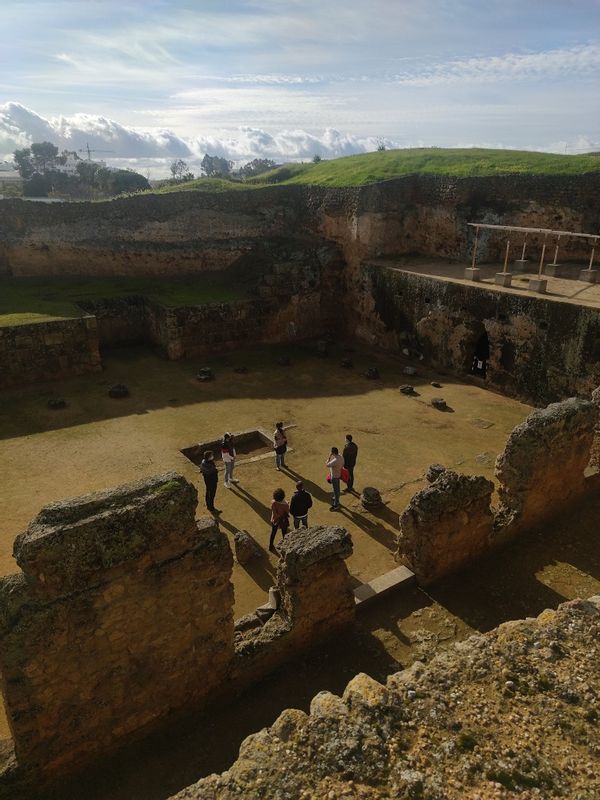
(205, 374)
(406, 389)
(346, 363)
(245, 547)
(409, 370)
(434, 471)
(439, 403)
(370, 497)
(372, 373)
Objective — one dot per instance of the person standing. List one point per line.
(279, 445)
(350, 454)
(279, 516)
(335, 462)
(208, 468)
(299, 505)
(228, 456)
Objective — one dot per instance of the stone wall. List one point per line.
(194, 231)
(542, 468)
(540, 350)
(446, 525)
(595, 454)
(123, 615)
(48, 350)
(512, 713)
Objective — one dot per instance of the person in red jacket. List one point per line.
(280, 518)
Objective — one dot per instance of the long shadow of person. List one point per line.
(261, 509)
(380, 533)
(316, 491)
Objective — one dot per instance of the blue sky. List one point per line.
(286, 79)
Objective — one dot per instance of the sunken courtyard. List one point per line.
(149, 649)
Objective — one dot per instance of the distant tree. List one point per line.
(316, 158)
(256, 167)
(380, 145)
(43, 155)
(37, 185)
(214, 166)
(180, 171)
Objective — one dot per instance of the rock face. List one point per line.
(123, 613)
(446, 525)
(542, 466)
(453, 730)
(245, 547)
(595, 454)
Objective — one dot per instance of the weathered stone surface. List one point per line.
(427, 732)
(439, 403)
(372, 373)
(123, 613)
(542, 466)
(434, 471)
(370, 497)
(300, 551)
(48, 350)
(446, 525)
(245, 547)
(406, 389)
(595, 453)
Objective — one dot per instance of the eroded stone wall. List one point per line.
(123, 615)
(48, 350)
(512, 713)
(446, 525)
(542, 471)
(542, 468)
(539, 350)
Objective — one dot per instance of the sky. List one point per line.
(155, 80)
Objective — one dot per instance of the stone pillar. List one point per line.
(542, 467)
(446, 525)
(122, 615)
(314, 583)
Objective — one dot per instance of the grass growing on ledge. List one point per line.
(27, 300)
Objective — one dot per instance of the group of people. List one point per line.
(340, 468)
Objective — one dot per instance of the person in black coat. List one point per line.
(350, 454)
(208, 468)
(299, 505)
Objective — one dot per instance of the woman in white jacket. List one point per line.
(228, 456)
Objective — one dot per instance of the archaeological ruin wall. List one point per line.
(543, 470)
(123, 616)
(540, 350)
(48, 350)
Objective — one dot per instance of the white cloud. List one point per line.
(581, 60)
(19, 126)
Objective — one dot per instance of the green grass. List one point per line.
(382, 166)
(213, 185)
(26, 300)
(460, 163)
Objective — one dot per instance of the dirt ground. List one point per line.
(97, 442)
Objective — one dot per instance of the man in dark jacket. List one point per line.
(350, 454)
(208, 468)
(299, 504)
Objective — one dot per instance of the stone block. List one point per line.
(400, 577)
(521, 265)
(473, 274)
(503, 279)
(245, 547)
(589, 275)
(560, 271)
(538, 285)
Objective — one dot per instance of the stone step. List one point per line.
(382, 584)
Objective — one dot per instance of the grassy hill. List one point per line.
(381, 166)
